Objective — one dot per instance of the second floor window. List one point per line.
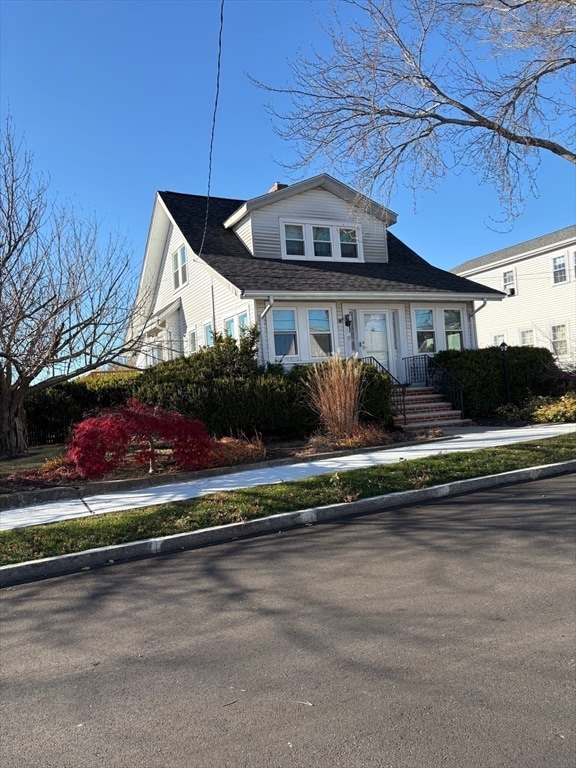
(509, 283)
(179, 267)
(559, 274)
(320, 241)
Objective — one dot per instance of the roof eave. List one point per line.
(371, 295)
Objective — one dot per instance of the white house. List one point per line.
(539, 280)
(313, 264)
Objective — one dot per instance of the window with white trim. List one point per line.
(559, 340)
(192, 342)
(437, 328)
(236, 326)
(285, 337)
(559, 271)
(425, 332)
(509, 282)
(527, 338)
(453, 329)
(321, 241)
(179, 268)
(498, 339)
(208, 335)
(302, 333)
(320, 334)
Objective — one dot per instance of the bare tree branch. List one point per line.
(413, 89)
(66, 292)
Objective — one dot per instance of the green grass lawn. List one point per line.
(34, 459)
(36, 542)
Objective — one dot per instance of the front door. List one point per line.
(374, 336)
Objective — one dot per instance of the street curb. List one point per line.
(35, 570)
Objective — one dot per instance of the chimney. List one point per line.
(277, 186)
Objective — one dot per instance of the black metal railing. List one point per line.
(398, 395)
(422, 369)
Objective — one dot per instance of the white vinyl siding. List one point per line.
(539, 305)
(315, 206)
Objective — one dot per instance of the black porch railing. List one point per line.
(398, 396)
(422, 369)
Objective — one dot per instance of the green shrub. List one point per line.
(531, 372)
(51, 412)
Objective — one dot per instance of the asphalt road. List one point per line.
(434, 635)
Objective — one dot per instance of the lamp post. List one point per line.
(504, 348)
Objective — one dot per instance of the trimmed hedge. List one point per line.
(531, 371)
(51, 412)
(223, 386)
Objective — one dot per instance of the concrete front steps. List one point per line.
(425, 409)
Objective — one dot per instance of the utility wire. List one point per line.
(218, 69)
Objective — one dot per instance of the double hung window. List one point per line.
(302, 333)
(453, 328)
(236, 326)
(527, 338)
(437, 328)
(285, 338)
(315, 241)
(509, 282)
(425, 333)
(559, 340)
(179, 268)
(559, 271)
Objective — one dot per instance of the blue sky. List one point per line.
(115, 98)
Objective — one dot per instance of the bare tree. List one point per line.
(66, 297)
(413, 89)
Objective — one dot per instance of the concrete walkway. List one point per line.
(463, 439)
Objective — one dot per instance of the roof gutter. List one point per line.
(369, 296)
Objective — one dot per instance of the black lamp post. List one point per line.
(504, 348)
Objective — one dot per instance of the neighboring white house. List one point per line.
(312, 264)
(539, 279)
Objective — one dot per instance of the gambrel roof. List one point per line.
(403, 275)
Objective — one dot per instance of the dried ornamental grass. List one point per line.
(335, 390)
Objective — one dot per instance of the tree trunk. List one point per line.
(13, 432)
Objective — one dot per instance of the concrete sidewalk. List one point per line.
(463, 439)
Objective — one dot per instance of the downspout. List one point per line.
(471, 318)
(267, 309)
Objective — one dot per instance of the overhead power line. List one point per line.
(216, 97)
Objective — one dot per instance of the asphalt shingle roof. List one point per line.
(518, 250)
(405, 271)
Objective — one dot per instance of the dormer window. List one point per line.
(320, 241)
(294, 234)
